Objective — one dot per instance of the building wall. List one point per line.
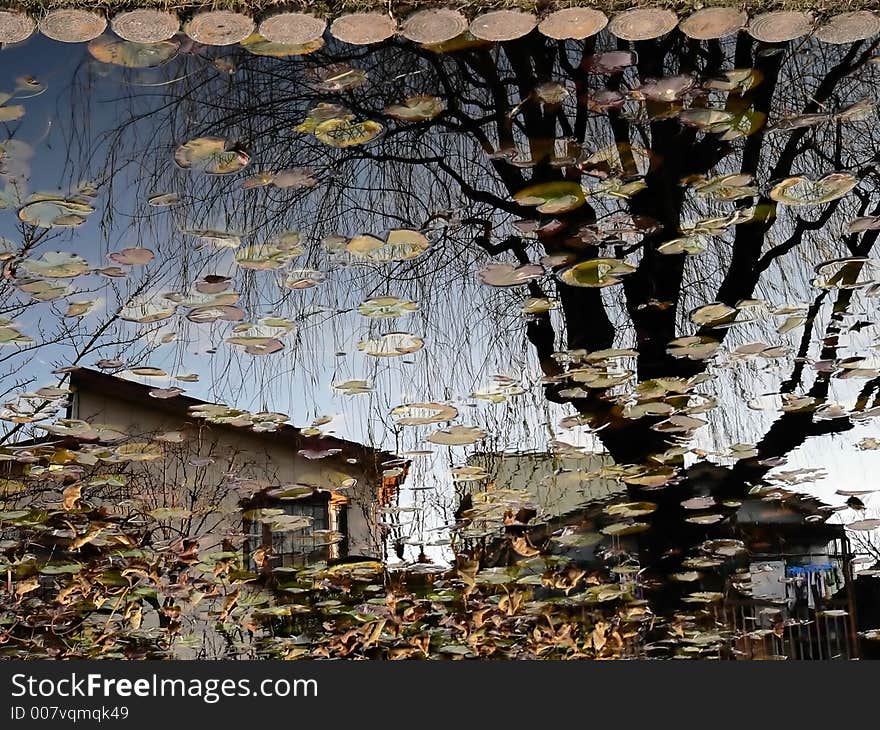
(558, 485)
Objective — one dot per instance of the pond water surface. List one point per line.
(597, 318)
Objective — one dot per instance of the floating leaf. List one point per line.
(215, 237)
(609, 62)
(552, 197)
(854, 272)
(256, 345)
(726, 187)
(51, 211)
(347, 133)
(713, 314)
(386, 307)
(321, 113)
(304, 278)
(799, 121)
(400, 245)
(259, 46)
(294, 178)
(801, 190)
(737, 80)
(211, 155)
(863, 525)
(620, 529)
(147, 311)
(505, 275)
(170, 513)
(55, 265)
(630, 509)
(615, 187)
(11, 113)
(80, 309)
(10, 335)
(353, 387)
(214, 313)
(132, 256)
(417, 108)
(108, 49)
(337, 77)
(665, 90)
(421, 414)
(44, 291)
(138, 452)
(596, 272)
(691, 245)
(538, 305)
(392, 344)
(457, 436)
(264, 256)
(159, 200)
(693, 348)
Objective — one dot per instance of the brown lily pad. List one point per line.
(362, 29)
(219, 27)
(643, 24)
(295, 29)
(15, 27)
(503, 25)
(573, 23)
(781, 26)
(713, 23)
(146, 25)
(434, 25)
(71, 25)
(849, 27)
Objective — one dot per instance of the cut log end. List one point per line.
(849, 27)
(145, 25)
(434, 25)
(781, 26)
(643, 24)
(219, 27)
(293, 29)
(711, 24)
(72, 25)
(503, 25)
(15, 27)
(362, 29)
(573, 24)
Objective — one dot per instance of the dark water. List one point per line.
(579, 340)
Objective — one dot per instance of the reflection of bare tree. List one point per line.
(505, 128)
(431, 174)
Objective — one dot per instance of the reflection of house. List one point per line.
(775, 574)
(245, 483)
(555, 491)
(557, 485)
(791, 595)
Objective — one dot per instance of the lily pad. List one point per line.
(457, 436)
(386, 307)
(596, 273)
(506, 275)
(347, 133)
(400, 245)
(211, 155)
(553, 197)
(55, 265)
(419, 108)
(391, 344)
(108, 49)
(800, 190)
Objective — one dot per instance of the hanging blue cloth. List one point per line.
(794, 570)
